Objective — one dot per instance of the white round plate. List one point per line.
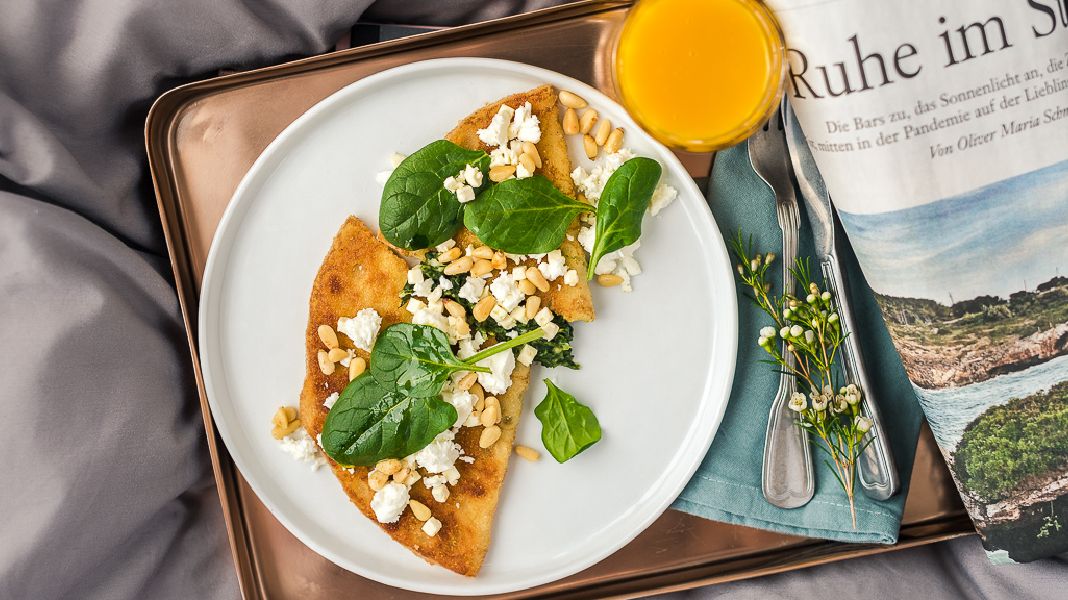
(656, 364)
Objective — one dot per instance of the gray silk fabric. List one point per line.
(105, 485)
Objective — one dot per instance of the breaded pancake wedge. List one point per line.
(361, 271)
(573, 303)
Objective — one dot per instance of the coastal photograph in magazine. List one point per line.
(974, 291)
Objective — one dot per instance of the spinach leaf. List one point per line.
(369, 423)
(415, 360)
(523, 216)
(417, 211)
(567, 427)
(623, 202)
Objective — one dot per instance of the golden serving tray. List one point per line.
(203, 137)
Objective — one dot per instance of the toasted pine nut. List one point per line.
(533, 304)
(535, 277)
(480, 405)
(460, 265)
(288, 429)
(336, 354)
(467, 381)
(491, 415)
(532, 150)
(527, 162)
(499, 260)
(479, 394)
(604, 129)
(526, 287)
(449, 255)
(402, 475)
(327, 336)
(501, 172)
(325, 364)
(493, 401)
(419, 510)
(482, 266)
(482, 309)
(482, 252)
(590, 146)
(389, 466)
(589, 118)
(356, 367)
(572, 100)
(609, 279)
(291, 413)
(571, 122)
(280, 420)
(528, 453)
(455, 308)
(276, 432)
(615, 141)
(377, 480)
(489, 436)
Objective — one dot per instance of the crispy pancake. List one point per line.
(573, 303)
(362, 271)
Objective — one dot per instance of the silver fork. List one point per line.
(787, 478)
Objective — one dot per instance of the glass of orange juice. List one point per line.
(700, 75)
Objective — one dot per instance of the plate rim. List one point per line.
(714, 388)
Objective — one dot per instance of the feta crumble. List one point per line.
(302, 447)
(527, 354)
(463, 402)
(472, 288)
(506, 292)
(497, 133)
(432, 526)
(499, 378)
(389, 502)
(361, 329)
(663, 196)
(441, 454)
(330, 400)
(554, 266)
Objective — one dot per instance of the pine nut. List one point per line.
(327, 336)
(615, 141)
(479, 394)
(501, 172)
(280, 420)
(589, 118)
(535, 277)
(356, 367)
(460, 265)
(491, 415)
(480, 405)
(532, 150)
(377, 480)
(572, 100)
(499, 260)
(482, 309)
(526, 287)
(336, 354)
(590, 146)
(419, 510)
(402, 475)
(389, 466)
(571, 122)
(449, 255)
(291, 413)
(604, 129)
(276, 432)
(482, 252)
(467, 381)
(527, 162)
(528, 453)
(492, 401)
(288, 429)
(482, 266)
(455, 308)
(489, 436)
(325, 364)
(533, 304)
(609, 279)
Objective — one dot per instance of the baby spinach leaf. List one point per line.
(567, 427)
(523, 216)
(415, 360)
(369, 423)
(623, 202)
(417, 211)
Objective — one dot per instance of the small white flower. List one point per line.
(863, 424)
(819, 402)
(784, 332)
(811, 298)
(796, 331)
(833, 318)
(798, 402)
(826, 296)
(810, 336)
(769, 258)
(786, 313)
(768, 332)
(761, 341)
(754, 264)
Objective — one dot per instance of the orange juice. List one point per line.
(699, 74)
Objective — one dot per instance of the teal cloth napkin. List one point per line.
(726, 487)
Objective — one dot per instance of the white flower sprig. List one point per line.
(811, 332)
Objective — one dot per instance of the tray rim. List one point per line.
(161, 125)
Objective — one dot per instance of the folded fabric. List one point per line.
(727, 485)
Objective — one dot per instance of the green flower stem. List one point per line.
(526, 338)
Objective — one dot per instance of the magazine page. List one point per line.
(941, 129)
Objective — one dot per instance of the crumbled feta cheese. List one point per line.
(396, 159)
(527, 354)
(499, 378)
(497, 133)
(502, 317)
(471, 290)
(506, 291)
(502, 157)
(663, 195)
(441, 454)
(550, 330)
(454, 184)
(525, 126)
(432, 526)
(301, 447)
(587, 235)
(415, 274)
(521, 172)
(571, 277)
(519, 273)
(361, 329)
(468, 459)
(429, 314)
(591, 183)
(519, 315)
(440, 492)
(465, 194)
(463, 402)
(554, 266)
(473, 176)
(445, 283)
(330, 400)
(451, 475)
(383, 176)
(389, 502)
(543, 316)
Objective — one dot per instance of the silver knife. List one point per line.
(878, 473)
